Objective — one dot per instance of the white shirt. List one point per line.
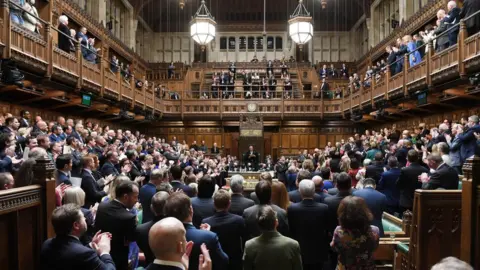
(169, 263)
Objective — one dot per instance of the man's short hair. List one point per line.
(412, 156)
(157, 174)
(369, 181)
(178, 206)
(236, 183)
(5, 179)
(221, 199)
(303, 174)
(63, 160)
(307, 188)
(451, 263)
(206, 187)
(263, 190)
(176, 172)
(378, 156)
(165, 186)
(158, 202)
(124, 187)
(63, 218)
(443, 147)
(325, 173)
(392, 162)
(437, 158)
(344, 182)
(266, 218)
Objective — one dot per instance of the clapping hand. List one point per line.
(61, 189)
(186, 255)
(204, 260)
(205, 227)
(477, 135)
(424, 178)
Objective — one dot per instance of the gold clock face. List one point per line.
(252, 107)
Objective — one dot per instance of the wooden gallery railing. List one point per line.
(25, 219)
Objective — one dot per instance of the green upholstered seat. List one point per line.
(390, 227)
(402, 247)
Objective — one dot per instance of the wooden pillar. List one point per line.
(462, 35)
(48, 37)
(429, 63)
(405, 69)
(43, 173)
(78, 53)
(6, 32)
(387, 82)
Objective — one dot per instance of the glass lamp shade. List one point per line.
(300, 29)
(202, 30)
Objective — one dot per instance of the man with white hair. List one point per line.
(451, 263)
(318, 181)
(306, 217)
(467, 139)
(442, 41)
(451, 19)
(64, 42)
(238, 201)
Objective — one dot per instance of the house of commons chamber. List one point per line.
(240, 134)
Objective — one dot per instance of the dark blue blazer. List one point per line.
(141, 236)
(67, 252)
(374, 171)
(308, 222)
(198, 237)
(295, 197)
(388, 186)
(468, 142)
(179, 185)
(145, 198)
(239, 203)
(108, 168)
(63, 178)
(232, 233)
(202, 208)
(54, 138)
(93, 192)
(376, 202)
(5, 164)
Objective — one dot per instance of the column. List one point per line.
(405, 9)
(98, 10)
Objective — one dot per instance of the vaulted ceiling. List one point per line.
(166, 15)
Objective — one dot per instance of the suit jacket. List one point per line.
(114, 218)
(333, 202)
(408, 182)
(141, 234)
(239, 203)
(308, 225)
(374, 171)
(108, 168)
(295, 197)
(281, 170)
(442, 40)
(63, 178)
(24, 123)
(250, 216)
(271, 250)
(202, 208)
(388, 186)
(179, 185)
(76, 163)
(63, 39)
(376, 202)
(67, 252)
(470, 7)
(145, 197)
(219, 258)
(391, 61)
(93, 192)
(232, 234)
(444, 177)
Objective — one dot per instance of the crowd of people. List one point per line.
(120, 190)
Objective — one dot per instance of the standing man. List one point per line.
(408, 181)
(271, 250)
(376, 202)
(251, 157)
(238, 202)
(114, 217)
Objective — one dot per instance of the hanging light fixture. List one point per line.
(300, 25)
(202, 26)
(324, 4)
(181, 3)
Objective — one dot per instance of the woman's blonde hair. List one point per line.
(308, 165)
(345, 164)
(74, 195)
(113, 185)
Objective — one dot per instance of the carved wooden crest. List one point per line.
(251, 121)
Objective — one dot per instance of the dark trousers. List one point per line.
(317, 266)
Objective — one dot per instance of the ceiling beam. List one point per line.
(72, 102)
(98, 106)
(460, 92)
(48, 95)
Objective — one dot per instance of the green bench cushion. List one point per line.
(390, 227)
(402, 247)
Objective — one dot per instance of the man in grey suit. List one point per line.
(263, 189)
(271, 250)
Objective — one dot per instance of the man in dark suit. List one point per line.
(442, 41)
(108, 167)
(172, 251)
(238, 202)
(93, 192)
(451, 19)
(271, 250)
(375, 200)
(176, 172)
(295, 195)
(203, 147)
(344, 184)
(230, 229)
(319, 187)
(25, 119)
(65, 251)
(263, 189)
(388, 186)
(63, 163)
(307, 220)
(470, 7)
(114, 217)
(408, 181)
(157, 203)
(146, 194)
(178, 205)
(251, 157)
(375, 170)
(281, 170)
(444, 177)
(391, 60)
(203, 203)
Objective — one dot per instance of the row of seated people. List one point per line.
(241, 233)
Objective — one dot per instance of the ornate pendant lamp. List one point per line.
(324, 4)
(300, 25)
(181, 3)
(202, 26)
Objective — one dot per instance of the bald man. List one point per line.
(169, 245)
(318, 181)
